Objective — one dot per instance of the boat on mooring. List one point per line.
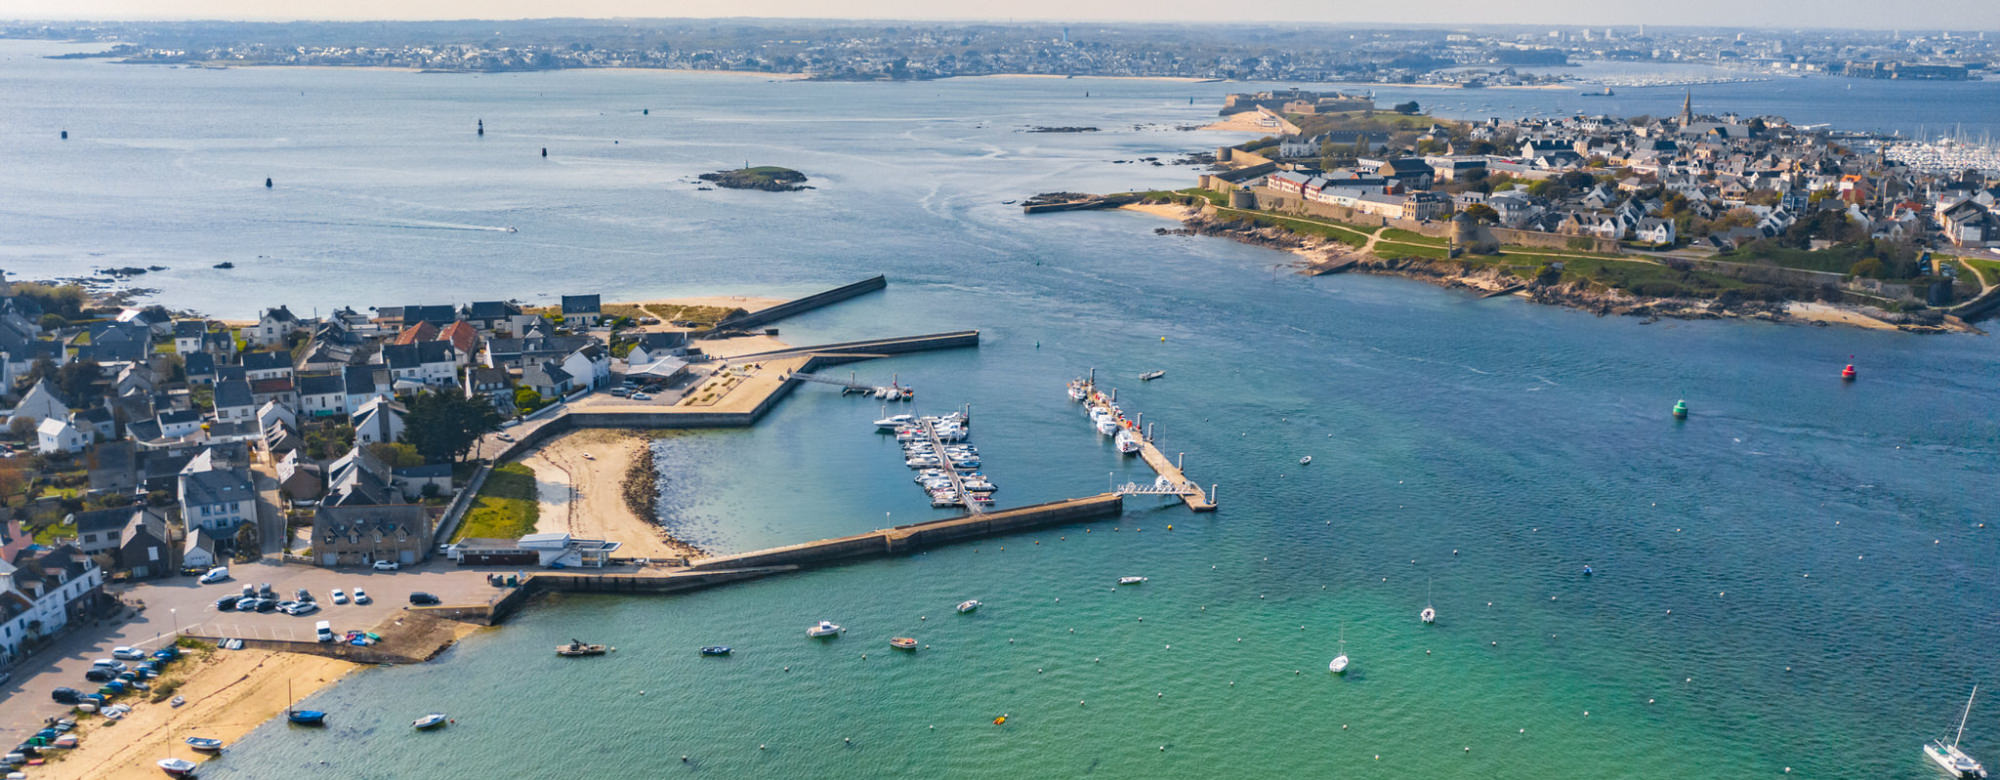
(824, 628)
(1152, 375)
(715, 650)
(577, 649)
(1430, 613)
(1130, 580)
(300, 717)
(968, 606)
(1950, 757)
(1306, 461)
(903, 643)
(1339, 663)
(430, 721)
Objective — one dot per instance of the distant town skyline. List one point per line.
(1916, 16)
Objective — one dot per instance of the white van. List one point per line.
(324, 629)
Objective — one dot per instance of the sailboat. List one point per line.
(301, 717)
(1430, 613)
(1339, 663)
(1949, 756)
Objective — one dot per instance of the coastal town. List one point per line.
(1468, 56)
(341, 470)
(1627, 214)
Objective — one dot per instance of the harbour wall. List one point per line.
(802, 305)
(918, 536)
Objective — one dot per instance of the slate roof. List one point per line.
(232, 393)
(218, 486)
(328, 384)
(266, 361)
(581, 304)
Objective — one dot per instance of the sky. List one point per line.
(1908, 14)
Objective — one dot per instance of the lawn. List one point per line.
(1402, 236)
(1305, 227)
(1989, 270)
(506, 507)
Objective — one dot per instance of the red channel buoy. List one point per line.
(1847, 374)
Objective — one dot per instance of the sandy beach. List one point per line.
(1173, 211)
(228, 694)
(1245, 122)
(1820, 312)
(1171, 79)
(585, 497)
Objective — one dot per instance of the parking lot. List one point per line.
(180, 602)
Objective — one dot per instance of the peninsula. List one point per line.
(1689, 216)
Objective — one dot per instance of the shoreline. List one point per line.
(229, 694)
(1317, 256)
(592, 504)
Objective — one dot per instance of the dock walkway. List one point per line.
(1197, 499)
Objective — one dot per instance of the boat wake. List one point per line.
(412, 225)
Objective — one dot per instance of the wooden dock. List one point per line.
(1196, 498)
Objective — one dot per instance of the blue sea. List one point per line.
(1800, 576)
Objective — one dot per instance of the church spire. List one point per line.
(1687, 108)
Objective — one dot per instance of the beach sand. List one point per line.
(1173, 211)
(228, 694)
(1244, 122)
(593, 505)
(1820, 312)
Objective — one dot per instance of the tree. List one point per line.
(527, 399)
(395, 455)
(444, 426)
(1482, 213)
(1406, 108)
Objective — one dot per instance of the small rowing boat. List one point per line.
(205, 744)
(577, 649)
(903, 643)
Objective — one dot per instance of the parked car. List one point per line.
(339, 596)
(303, 594)
(227, 603)
(128, 653)
(423, 599)
(106, 663)
(620, 392)
(641, 397)
(267, 605)
(387, 566)
(302, 608)
(509, 423)
(264, 591)
(66, 695)
(361, 597)
(323, 630)
(505, 437)
(99, 674)
(215, 575)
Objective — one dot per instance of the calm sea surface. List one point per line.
(1795, 577)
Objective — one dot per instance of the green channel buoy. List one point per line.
(1680, 410)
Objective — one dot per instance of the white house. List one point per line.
(35, 605)
(272, 328)
(215, 498)
(39, 403)
(590, 365)
(57, 434)
(378, 421)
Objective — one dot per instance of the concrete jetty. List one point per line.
(918, 536)
(763, 317)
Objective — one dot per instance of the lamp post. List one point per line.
(176, 615)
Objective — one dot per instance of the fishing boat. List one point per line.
(577, 649)
(177, 767)
(968, 606)
(715, 650)
(1951, 758)
(1152, 375)
(205, 744)
(1130, 580)
(825, 628)
(1339, 663)
(1430, 613)
(903, 643)
(301, 717)
(430, 721)
(1127, 443)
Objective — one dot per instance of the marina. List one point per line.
(946, 465)
(1130, 437)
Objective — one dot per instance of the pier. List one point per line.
(951, 473)
(1175, 480)
(763, 317)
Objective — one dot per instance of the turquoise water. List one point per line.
(1790, 523)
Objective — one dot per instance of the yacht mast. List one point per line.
(1968, 713)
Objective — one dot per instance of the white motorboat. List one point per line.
(1076, 390)
(1128, 444)
(980, 486)
(1430, 613)
(1950, 757)
(825, 628)
(1339, 663)
(1107, 425)
(1307, 460)
(968, 606)
(430, 721)
(1130, 580)
(893, 422)
(1152, 375)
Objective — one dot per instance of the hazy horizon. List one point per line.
(1917, 16)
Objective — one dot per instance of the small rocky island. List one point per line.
(769, 178)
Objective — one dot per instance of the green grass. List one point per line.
(506, 507)
(1393, 249)
(49, 533)
(1347, 235)
(1989, 270)
(1402, 236)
